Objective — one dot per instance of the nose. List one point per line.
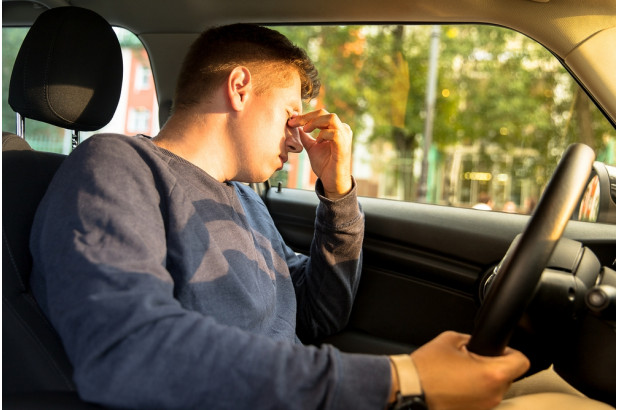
(293, 142)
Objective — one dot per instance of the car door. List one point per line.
(422, 264)
(424, 260)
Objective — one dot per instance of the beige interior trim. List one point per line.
(554, 401)
(591, 61)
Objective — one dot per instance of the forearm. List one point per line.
(137, 347)
(329, 283)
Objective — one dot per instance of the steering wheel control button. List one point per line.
(601, 298)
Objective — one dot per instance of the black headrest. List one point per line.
(12, 142)
(68, 71)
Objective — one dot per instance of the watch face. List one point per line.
(410, 403)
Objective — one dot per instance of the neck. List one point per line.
(203, 141)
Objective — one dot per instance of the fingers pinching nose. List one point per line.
(294, 122)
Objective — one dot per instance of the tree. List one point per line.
(500, 93)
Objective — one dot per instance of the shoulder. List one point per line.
(481, 206)
(106, 159)
(102, 144)
(113, 150)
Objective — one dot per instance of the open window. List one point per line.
(456, 115)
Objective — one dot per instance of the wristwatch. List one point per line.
(410, 395)
(409, 402)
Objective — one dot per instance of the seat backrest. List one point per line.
(68, 73)
(33, 358)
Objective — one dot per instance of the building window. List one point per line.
(143, 78)
(139, 120)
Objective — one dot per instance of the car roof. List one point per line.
(581, 33)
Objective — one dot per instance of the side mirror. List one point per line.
(598, 203)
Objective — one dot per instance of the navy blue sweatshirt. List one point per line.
(170, 289)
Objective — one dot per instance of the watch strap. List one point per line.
(408, 378)
(410, 395)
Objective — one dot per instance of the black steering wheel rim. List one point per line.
(519, 272)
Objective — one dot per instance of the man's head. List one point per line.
(270, 56)
(484, 198)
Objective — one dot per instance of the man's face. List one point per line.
(266, 140)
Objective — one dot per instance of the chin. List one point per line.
(263, 177)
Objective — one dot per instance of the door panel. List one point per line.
(422, 264)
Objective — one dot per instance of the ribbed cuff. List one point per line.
(338, 213)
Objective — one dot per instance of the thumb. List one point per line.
(306, 139)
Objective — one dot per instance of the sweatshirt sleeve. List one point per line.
(326, 284)
(99, 250)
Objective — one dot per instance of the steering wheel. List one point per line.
(519, 272)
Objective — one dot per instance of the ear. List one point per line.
(239, 86)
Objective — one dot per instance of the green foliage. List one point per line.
(496, 88)
(127, 39)
(11, 42)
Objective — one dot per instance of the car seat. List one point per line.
(68, 73)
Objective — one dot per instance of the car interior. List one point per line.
(427, 268)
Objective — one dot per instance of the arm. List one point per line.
(100, 250)
(327, 287)
(451, 376)
(326, 283)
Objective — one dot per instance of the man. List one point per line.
(169, 284)
(485, 203)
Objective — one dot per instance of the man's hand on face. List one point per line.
(330, 152)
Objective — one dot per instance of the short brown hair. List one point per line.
(217, 51)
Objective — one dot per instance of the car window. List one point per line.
(137, 111)
(464, 115)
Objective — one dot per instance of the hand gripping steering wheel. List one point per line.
(520, 270)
